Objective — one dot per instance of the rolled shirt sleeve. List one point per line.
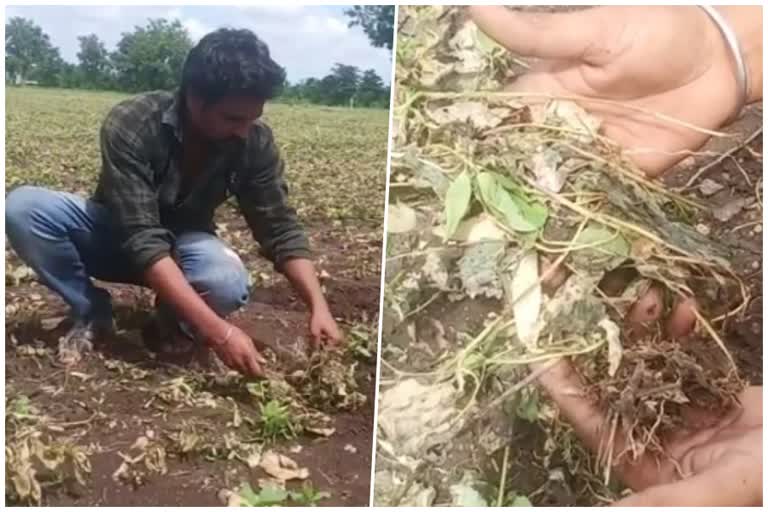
(262, 195)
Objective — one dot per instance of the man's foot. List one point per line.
(162, 338)
(79, 341)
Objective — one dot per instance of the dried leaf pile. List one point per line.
(490, 192)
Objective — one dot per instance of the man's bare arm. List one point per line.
(234, 346)
(302, 275)
(167, 280)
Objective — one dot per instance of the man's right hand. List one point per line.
(236, 349)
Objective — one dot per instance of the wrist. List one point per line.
(318, 305)
(216, 333)
(746, 22)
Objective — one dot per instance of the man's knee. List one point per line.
(19, 207)
(224, 288)
(216, 272)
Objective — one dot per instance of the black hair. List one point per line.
(230, 62)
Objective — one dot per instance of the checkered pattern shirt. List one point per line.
(141, 177)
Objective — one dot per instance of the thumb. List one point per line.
(571, 35)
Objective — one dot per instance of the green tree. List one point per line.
(371, 90)
(377, 21)
(151, 57)
(309, 90)
(29, 54)
(340, 86)
(94, 62)
(71, 76)
(49, 70)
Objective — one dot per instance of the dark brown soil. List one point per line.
(339, 464)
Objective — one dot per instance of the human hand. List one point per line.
(670, 60)
(713, 462)
(323, 327)
(236, 349)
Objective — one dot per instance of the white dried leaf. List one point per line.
(479, 114)
(414, 417)
(570, 115)
(615, 350)
(526, 298)
(282, 467)
(253, 458)
(464, 494)
(477, 229)
(400, 218)
(545, 166)
(435, 270)
(727, 211)
(140, 444)
(710, 187)
(321, 431)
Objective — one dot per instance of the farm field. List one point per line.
(124, 428)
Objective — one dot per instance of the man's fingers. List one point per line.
(253, 367)
(648, 307)
(543, 35)
(259, 358)
(682, 319)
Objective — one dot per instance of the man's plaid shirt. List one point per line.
(141, 179)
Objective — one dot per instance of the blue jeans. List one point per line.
(67, 240)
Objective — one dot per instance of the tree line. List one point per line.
(150, 58)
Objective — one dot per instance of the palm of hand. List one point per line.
(666, 60)
(716, 465)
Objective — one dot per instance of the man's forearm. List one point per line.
(302, 275)
(167, 280)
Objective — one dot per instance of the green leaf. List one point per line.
(512, 210)
(528, 407)
(603, 241)
(249, 497)
(507, 183)
(267, 497)
(485, 43)
(272, 495)
(520, 501)
(466, 496)
(535, 213)
(457, 202)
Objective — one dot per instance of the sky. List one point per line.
(306, 40)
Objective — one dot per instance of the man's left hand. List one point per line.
(323, 328)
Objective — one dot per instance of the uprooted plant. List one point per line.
(495, 194)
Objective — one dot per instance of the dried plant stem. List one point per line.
(503, 482)
(703, 321)
(546, 356)
(423, 306)
(619, 224)
(722, 157)
(631, 174)
(609, 455)
(506, 94)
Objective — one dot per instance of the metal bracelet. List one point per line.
(733, 44)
